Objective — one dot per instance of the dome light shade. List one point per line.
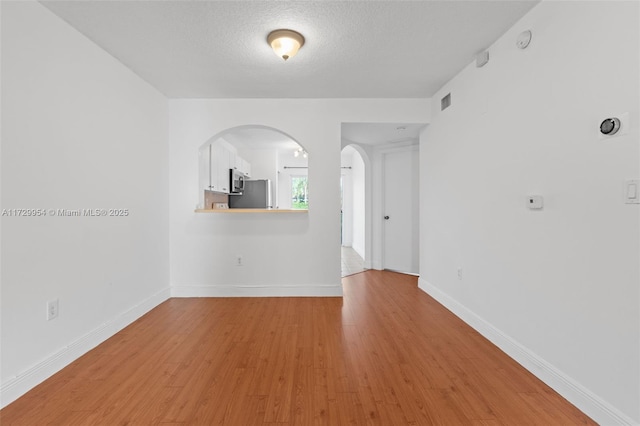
(285, 43)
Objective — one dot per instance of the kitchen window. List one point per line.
(299, 193)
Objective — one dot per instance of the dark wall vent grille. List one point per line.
(445, 102)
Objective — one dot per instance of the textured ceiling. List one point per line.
(354, 49)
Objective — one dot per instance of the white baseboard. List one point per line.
(320, 290)
(17, 386)
(589, 403)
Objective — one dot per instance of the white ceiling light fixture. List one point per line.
(299, 152)
(285, 43)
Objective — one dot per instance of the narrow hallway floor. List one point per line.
(352, 263)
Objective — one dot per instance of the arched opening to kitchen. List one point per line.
(253, 167)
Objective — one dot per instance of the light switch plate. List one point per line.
(632, 191)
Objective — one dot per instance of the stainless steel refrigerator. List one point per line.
(256, 195)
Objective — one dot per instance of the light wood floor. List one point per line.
(386, 354)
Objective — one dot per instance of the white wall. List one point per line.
(264, 163)
(354, 189)
(358, 182)
(284, 254)
(346, 158)
(558, 289)
(79, 131)
(370, 194)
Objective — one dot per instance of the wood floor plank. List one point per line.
(384, 354)
(350, 410)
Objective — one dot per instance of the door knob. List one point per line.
(386, 218)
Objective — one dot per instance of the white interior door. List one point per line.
(400, 211)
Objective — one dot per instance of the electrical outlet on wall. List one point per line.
(239, 260)
(460, 274)
(52, 309)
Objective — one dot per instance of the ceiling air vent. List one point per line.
(445, 102)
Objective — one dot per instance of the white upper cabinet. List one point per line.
(233, 160)
(242, 165)
(223, 170)
(219, 168)
(215, 162)
(245, 167)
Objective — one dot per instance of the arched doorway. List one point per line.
(355, 223)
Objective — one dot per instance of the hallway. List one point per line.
(352, 263)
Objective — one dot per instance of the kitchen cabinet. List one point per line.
(215, 162)
(223, 170)
(245, 167)
(241, 165)
(219, 169)
(233, 159)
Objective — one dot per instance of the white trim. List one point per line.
(592, 405)
(243, 290)
(17, 386)
(402, 272)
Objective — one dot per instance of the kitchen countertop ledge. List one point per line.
(250, 211)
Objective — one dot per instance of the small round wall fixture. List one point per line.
(610, 126)
(285, 43)
(523, 40)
